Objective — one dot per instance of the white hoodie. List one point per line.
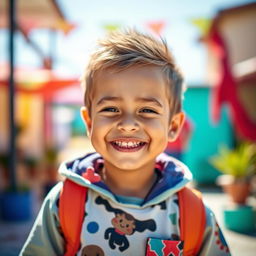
(116, 225)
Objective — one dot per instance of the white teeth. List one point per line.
(124, 144)
(129, 144)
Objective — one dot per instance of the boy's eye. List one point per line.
(148, 110)
(110, 109)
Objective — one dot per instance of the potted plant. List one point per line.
(238, 166)
(16, 201)
(16, 205)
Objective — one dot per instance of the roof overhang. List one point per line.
(43, 14)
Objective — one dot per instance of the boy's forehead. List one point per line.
(113, 79)
(139, 70)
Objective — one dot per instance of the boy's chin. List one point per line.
(132, 165)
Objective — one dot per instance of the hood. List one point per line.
(172, 176)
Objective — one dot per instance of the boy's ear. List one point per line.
(176, 125)
(86, 118)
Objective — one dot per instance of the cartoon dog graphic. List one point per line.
(123, 224)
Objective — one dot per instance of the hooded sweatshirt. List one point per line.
(119, 225)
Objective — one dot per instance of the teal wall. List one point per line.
(206, 136)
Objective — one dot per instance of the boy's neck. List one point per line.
(136, 183)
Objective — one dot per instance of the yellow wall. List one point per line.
(28, 115)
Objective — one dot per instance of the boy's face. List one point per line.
(130, 117)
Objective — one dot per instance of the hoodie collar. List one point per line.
(172, 176)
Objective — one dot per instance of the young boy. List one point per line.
(133, 107)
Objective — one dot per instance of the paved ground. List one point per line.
(13, 235)
(240, 244)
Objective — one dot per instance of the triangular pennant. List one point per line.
(111, 27)
(203, 24)
(156, 26)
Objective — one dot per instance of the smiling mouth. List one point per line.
(127, 145)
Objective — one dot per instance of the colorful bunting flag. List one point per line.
(111, 27)
(65, 26)
(203, 24)
(156, 26)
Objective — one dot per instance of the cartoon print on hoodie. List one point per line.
(161, 204)
(92, 250)
(123, 224)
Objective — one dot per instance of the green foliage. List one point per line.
(19, 189)
(30, 161)
(4, 160)
(51, 155)
(239, 162)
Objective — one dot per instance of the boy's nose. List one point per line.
(128, 123)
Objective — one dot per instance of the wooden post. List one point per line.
(12, 134)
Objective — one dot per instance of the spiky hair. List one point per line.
(121, 50)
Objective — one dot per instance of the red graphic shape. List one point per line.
(91, 175)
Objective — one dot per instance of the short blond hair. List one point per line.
(121, 50)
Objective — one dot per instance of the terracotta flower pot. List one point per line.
(237, 189)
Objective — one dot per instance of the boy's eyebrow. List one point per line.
(141, 99)
(108, 98)
(150, 100)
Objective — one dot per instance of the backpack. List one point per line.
(71, 212)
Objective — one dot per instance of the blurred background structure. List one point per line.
(214, 44)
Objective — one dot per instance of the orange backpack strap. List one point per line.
(71, 212)
(192, 220)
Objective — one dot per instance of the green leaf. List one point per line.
(239, 162)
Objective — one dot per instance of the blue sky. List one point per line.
(90, 16)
